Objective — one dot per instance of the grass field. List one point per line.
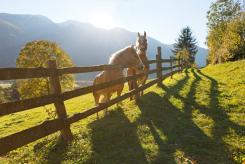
(198, 116)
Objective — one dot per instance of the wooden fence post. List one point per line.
(171, 65)
(135, 86)
(59, 104)
(159, 66)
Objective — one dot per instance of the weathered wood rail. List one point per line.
(57, 98)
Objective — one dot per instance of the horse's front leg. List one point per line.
(143, 83)
(130, 88)
(96, 99)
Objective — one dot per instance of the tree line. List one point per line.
(226, 34)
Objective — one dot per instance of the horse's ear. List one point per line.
(144, 34)
(138, 34)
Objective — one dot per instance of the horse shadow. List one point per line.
(115, 140)
(56, 152)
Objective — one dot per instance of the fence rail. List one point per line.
(57, 98)
(26, 73)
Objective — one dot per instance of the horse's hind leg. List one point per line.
(96, 100)
(106, 99)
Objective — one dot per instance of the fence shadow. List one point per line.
(178, 127)
(179, 85)
(215, 111)
(114, 138)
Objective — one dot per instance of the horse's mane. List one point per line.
(117, 55)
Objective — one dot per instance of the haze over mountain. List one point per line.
(86, 44)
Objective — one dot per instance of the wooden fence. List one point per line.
(63, 122)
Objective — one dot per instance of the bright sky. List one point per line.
(161, 19)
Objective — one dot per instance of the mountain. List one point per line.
(86, 44)
(201, 57)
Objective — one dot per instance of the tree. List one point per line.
(233, 42)
(214, 42)
(37, 54)
(186, 42)
(222, 39)
(221, 11)
(185, 56)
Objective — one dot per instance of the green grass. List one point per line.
(197, 116)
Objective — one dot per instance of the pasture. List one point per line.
(198, 116)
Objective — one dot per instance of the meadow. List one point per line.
(195, 117)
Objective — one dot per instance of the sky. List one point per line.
(161, 19)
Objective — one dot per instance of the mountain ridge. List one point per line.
(82, 41)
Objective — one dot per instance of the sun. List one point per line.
(103, 20)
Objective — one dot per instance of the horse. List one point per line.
(141, 48)
(126, 57)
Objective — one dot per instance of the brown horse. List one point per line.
(141, 47)
(126, 57)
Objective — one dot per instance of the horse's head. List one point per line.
(141, 43)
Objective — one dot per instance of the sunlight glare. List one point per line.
(103, 20)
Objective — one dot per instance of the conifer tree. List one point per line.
(186, 42)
